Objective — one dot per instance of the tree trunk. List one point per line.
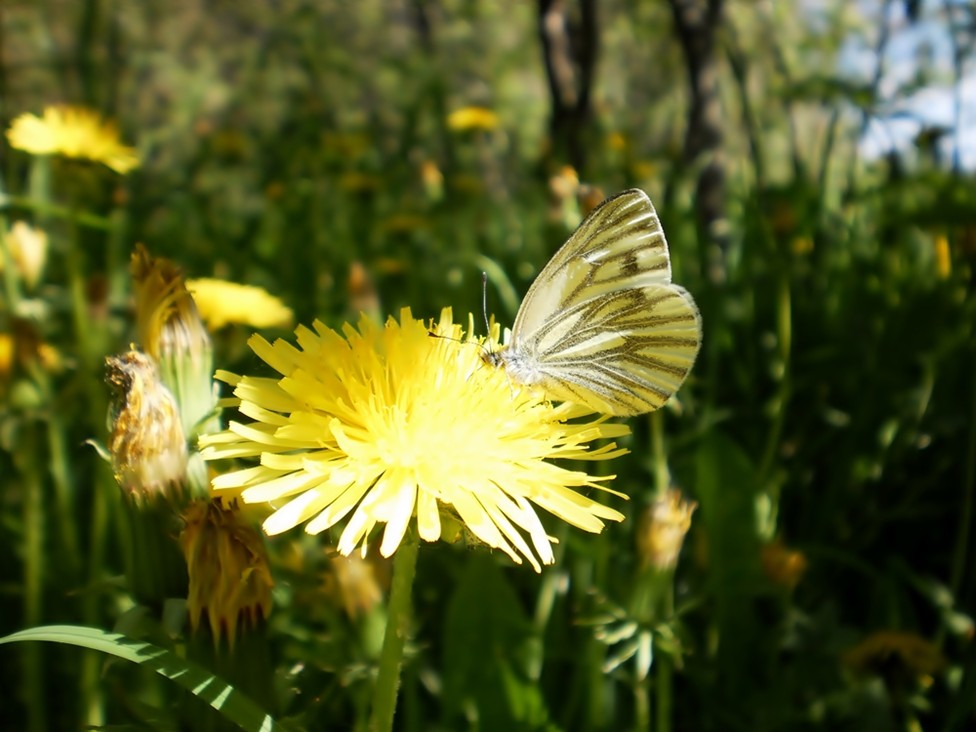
(569, 45)
(697, 22)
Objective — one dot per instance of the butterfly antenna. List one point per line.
(484, 301)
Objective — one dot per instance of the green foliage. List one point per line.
(833, 406)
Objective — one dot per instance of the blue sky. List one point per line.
(906, 110)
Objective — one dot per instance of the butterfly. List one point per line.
(603, 325)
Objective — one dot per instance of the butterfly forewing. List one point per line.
(620, 245)
(602, 325)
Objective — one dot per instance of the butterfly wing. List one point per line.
(602, 325)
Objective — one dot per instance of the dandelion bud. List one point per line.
(230, 580)
(171, 331)
(27, 248)
(147, 442)
(662, 530)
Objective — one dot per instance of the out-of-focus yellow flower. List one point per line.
(147, 443)
(356, 182)
(28, 250)
(354, 583)
(783, 566)
(662, 529)
(220, 302)
(230, 580)
(943, 259)
(24, 347)
(362, 293)
(801, 245)
(6, 356)
(74, 132)
(389, 425)
(472, 118)
(617, 141)
(432, 179)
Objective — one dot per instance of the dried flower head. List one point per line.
(147, 443)
(389, 425)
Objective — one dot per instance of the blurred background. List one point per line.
(813, 165)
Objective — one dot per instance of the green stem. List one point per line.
(784, 333)
(45, 211)
(33, 576)
(664, 668)
(397, 630)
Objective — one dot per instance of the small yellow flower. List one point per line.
(147, 443)
(221, 302)
(662, 529)
(230, 580)
(389, 424)
(74, 132)
(472, 118)
(943, 259)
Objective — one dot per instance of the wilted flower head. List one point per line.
(662, 528)
(902, 659)
(73, 132)
(230, 580)
(220, 302)
(147, 443)
(387, 424)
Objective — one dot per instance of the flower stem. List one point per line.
(397, 630)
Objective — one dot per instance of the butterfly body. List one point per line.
(602, 325)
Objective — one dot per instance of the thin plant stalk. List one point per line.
(34, 568)
(397, 632)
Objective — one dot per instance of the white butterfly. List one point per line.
(602, 325)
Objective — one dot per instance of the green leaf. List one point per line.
(489, 644)
(231, 703)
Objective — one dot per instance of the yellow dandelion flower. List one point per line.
(74, 132)
(387, 424)
(472, 118)
(221, 302)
